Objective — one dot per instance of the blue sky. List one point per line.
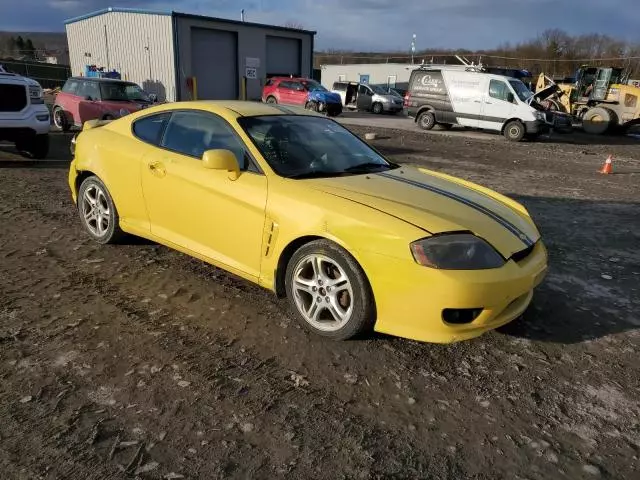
(373, 24)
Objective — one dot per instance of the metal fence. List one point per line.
(47, 74)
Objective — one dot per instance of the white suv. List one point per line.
(24, 118)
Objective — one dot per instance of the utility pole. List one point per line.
(413, 47)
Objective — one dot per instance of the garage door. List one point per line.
(214, 63)
(283, 56)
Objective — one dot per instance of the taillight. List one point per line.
(407, 97)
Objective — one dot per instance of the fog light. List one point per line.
(460, 316)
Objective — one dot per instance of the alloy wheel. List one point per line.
(95, 210)
(322, 292)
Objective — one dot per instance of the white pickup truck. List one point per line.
(24, 118)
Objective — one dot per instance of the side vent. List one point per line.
(269, 238)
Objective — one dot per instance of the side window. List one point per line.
(362, 90)
(287, 85)
(499, 90)
(72, 87)
(149, 129)
(89, 89)
(268, 83)
(297, 86)
(193, 133)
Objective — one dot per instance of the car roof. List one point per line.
(292, 78)
(238, 107)
(103, 80)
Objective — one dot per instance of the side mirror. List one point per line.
(221, 160)
(88, 98)
(511, 98)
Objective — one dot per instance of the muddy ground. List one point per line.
(136, 361)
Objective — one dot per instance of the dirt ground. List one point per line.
(135, 361)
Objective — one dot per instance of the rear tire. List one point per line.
(328, 291)
(514, 131)
(377, 108)
(98, 213)
(426, 120)
(271, 99)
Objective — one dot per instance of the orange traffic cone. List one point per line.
(607, 168)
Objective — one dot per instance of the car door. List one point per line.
(498, 106)
(285, 91)
(202, 210)
(298, 94)
(365, 96)
(89, 102)
(69, 100)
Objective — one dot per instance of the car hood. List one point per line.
(326, 97)
(436, 205)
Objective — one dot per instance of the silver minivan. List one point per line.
(367, 97)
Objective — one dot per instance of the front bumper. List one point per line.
(35, 120)
(392, 107)
(410, 299)
(537, 126)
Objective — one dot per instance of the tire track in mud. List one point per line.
(432, 374)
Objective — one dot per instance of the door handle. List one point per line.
(489, 103)
(157, 168)
(477, 101)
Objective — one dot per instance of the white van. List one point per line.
(446, 97)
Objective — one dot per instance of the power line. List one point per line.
(441, 55)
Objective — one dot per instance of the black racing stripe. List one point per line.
(505, 223)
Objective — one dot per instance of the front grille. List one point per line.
(522, 254)
(13, 98)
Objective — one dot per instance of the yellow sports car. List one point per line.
(296, 203)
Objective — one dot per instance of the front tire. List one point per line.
(328, 291)
(426, 120)
(514, 131)
(271, 99)
(60, 119)
(98, 213)
(36, 146)
(377, 108)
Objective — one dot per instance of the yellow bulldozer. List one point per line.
(598, 97)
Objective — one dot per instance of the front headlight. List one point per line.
(456, 251)
(36, 94)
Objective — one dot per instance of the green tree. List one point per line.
(20, 45)
(29, 49)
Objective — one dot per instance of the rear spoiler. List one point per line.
(89, 124)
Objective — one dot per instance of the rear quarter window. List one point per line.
(149, 129)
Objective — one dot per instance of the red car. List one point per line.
(84, 98)
(303, 92)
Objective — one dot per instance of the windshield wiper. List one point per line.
(368, 167)
(317, 174)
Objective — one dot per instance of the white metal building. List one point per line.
(163, 52)
(393, 75)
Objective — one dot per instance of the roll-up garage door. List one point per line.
(214, 63)
(283, 56)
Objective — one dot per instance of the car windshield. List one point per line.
(313, 86)
(521, 90)
(298, 146)
(124, 92)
